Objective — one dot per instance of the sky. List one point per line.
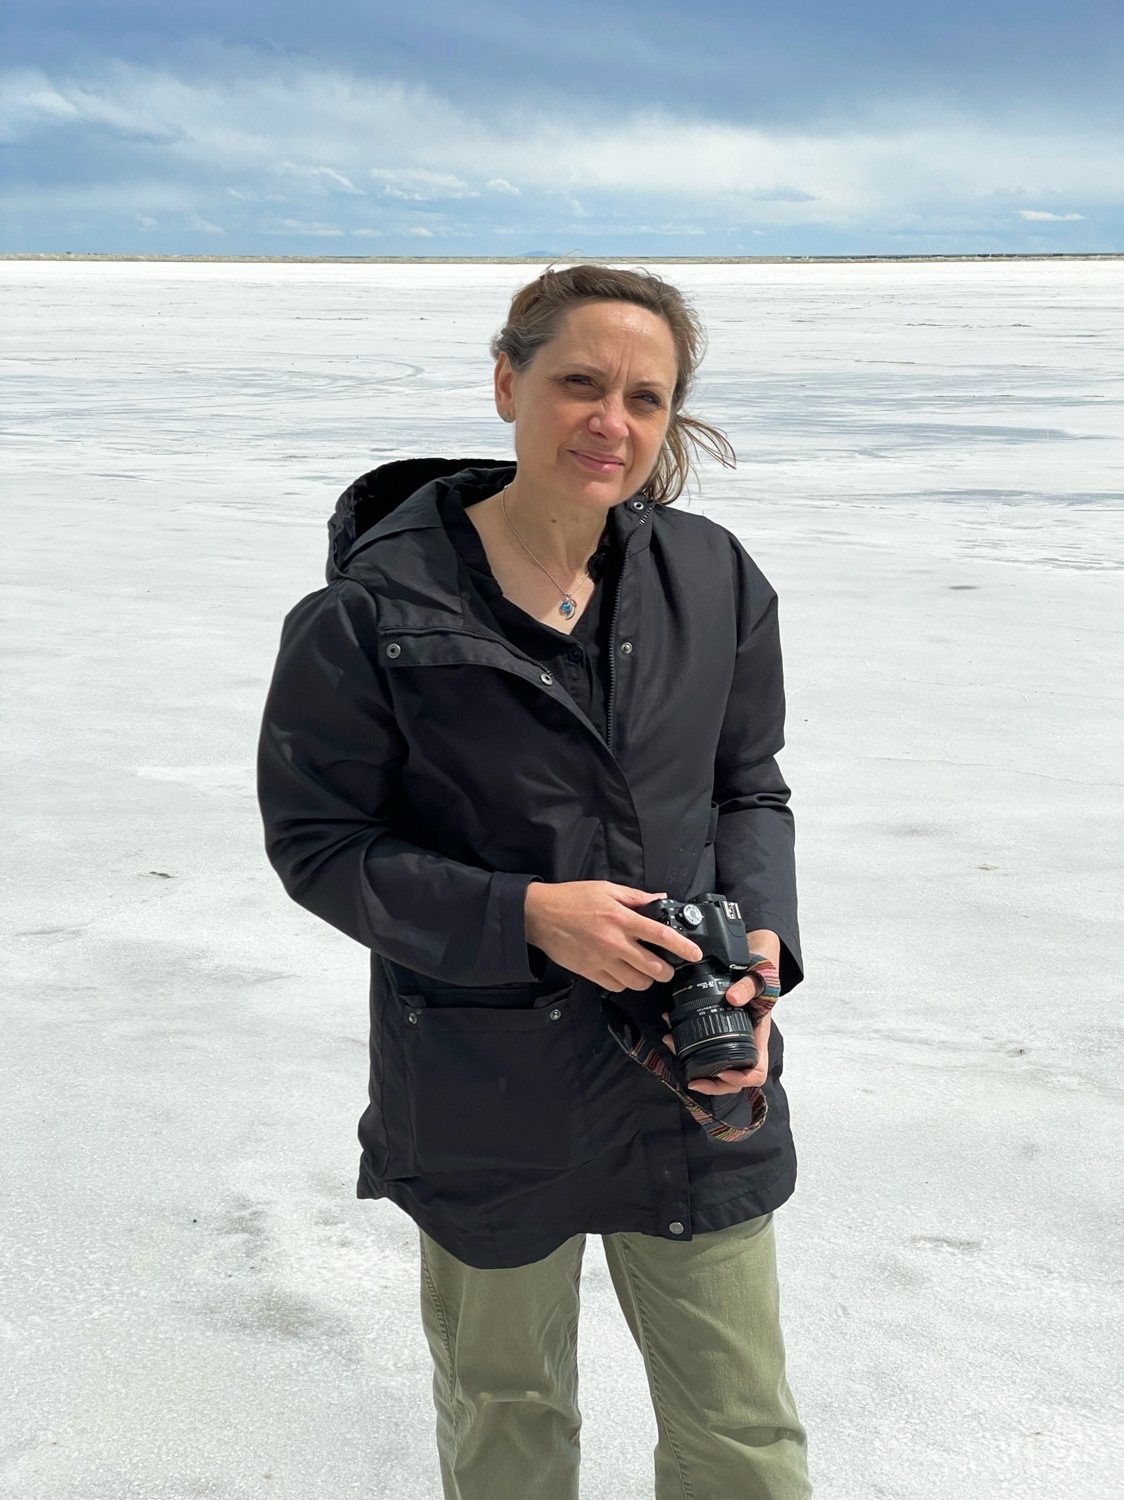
(475, 127)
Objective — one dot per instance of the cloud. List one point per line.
(420, 231)
(322, 174)
(28, 101)
(299, 226)
(296, 112)
(194, 224)
(143, 195)
(572, 205)
(778, 195)
(418, 185)
(242, 196)
(219, 146)
(691, 229)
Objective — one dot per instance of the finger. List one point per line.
(618, 973)
(630, 896)
(629, 978)
(620, 976)
(712, 1086)
(650, 963)
(605, 977)
(743, 992)
(634, 956)
(729, 1080)
(646, 929)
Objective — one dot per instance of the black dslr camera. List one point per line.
(709, 1033)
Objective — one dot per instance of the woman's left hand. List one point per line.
(732, 1080)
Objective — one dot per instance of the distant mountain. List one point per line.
(549, 254)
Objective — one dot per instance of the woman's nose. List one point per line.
(608, 419)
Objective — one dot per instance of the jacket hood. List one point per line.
(379, 493)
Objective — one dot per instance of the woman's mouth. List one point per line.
(599, 465)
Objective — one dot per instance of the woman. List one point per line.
(533, 699)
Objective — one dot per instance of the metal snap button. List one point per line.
(675, 1227)
(394, 649)
(555, 1015)
(626, 648)
(575, 653)
(547, 678)
(412, 1017)
(638, 505)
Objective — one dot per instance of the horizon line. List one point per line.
(546, 260)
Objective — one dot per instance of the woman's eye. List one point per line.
(578, 380)
(650, 397)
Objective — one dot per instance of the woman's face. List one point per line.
(591, 409)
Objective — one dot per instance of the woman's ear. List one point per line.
(505, 388)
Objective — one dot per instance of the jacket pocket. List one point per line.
(495, 1086)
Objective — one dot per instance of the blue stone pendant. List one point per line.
(568, 608)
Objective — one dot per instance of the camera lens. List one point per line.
(709, 1033)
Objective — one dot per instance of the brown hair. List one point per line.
(538, 308)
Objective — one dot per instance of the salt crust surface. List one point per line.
(191, 1301)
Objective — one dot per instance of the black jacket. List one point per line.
(416, 773)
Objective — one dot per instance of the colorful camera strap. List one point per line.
(653, 1056)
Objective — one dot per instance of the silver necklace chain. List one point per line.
(569, 605)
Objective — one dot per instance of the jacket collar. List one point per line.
(388, 503)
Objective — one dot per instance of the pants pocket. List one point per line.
(495, 1086)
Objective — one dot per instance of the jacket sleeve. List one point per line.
(329, 755)
(755, 841)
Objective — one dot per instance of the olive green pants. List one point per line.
(705, 1316)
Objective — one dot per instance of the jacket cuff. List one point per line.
(510, 895)
(791, 966)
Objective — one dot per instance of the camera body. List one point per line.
(709, 1033)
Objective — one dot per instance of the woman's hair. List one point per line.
(538, 308)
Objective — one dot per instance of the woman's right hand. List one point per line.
(591, 928)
